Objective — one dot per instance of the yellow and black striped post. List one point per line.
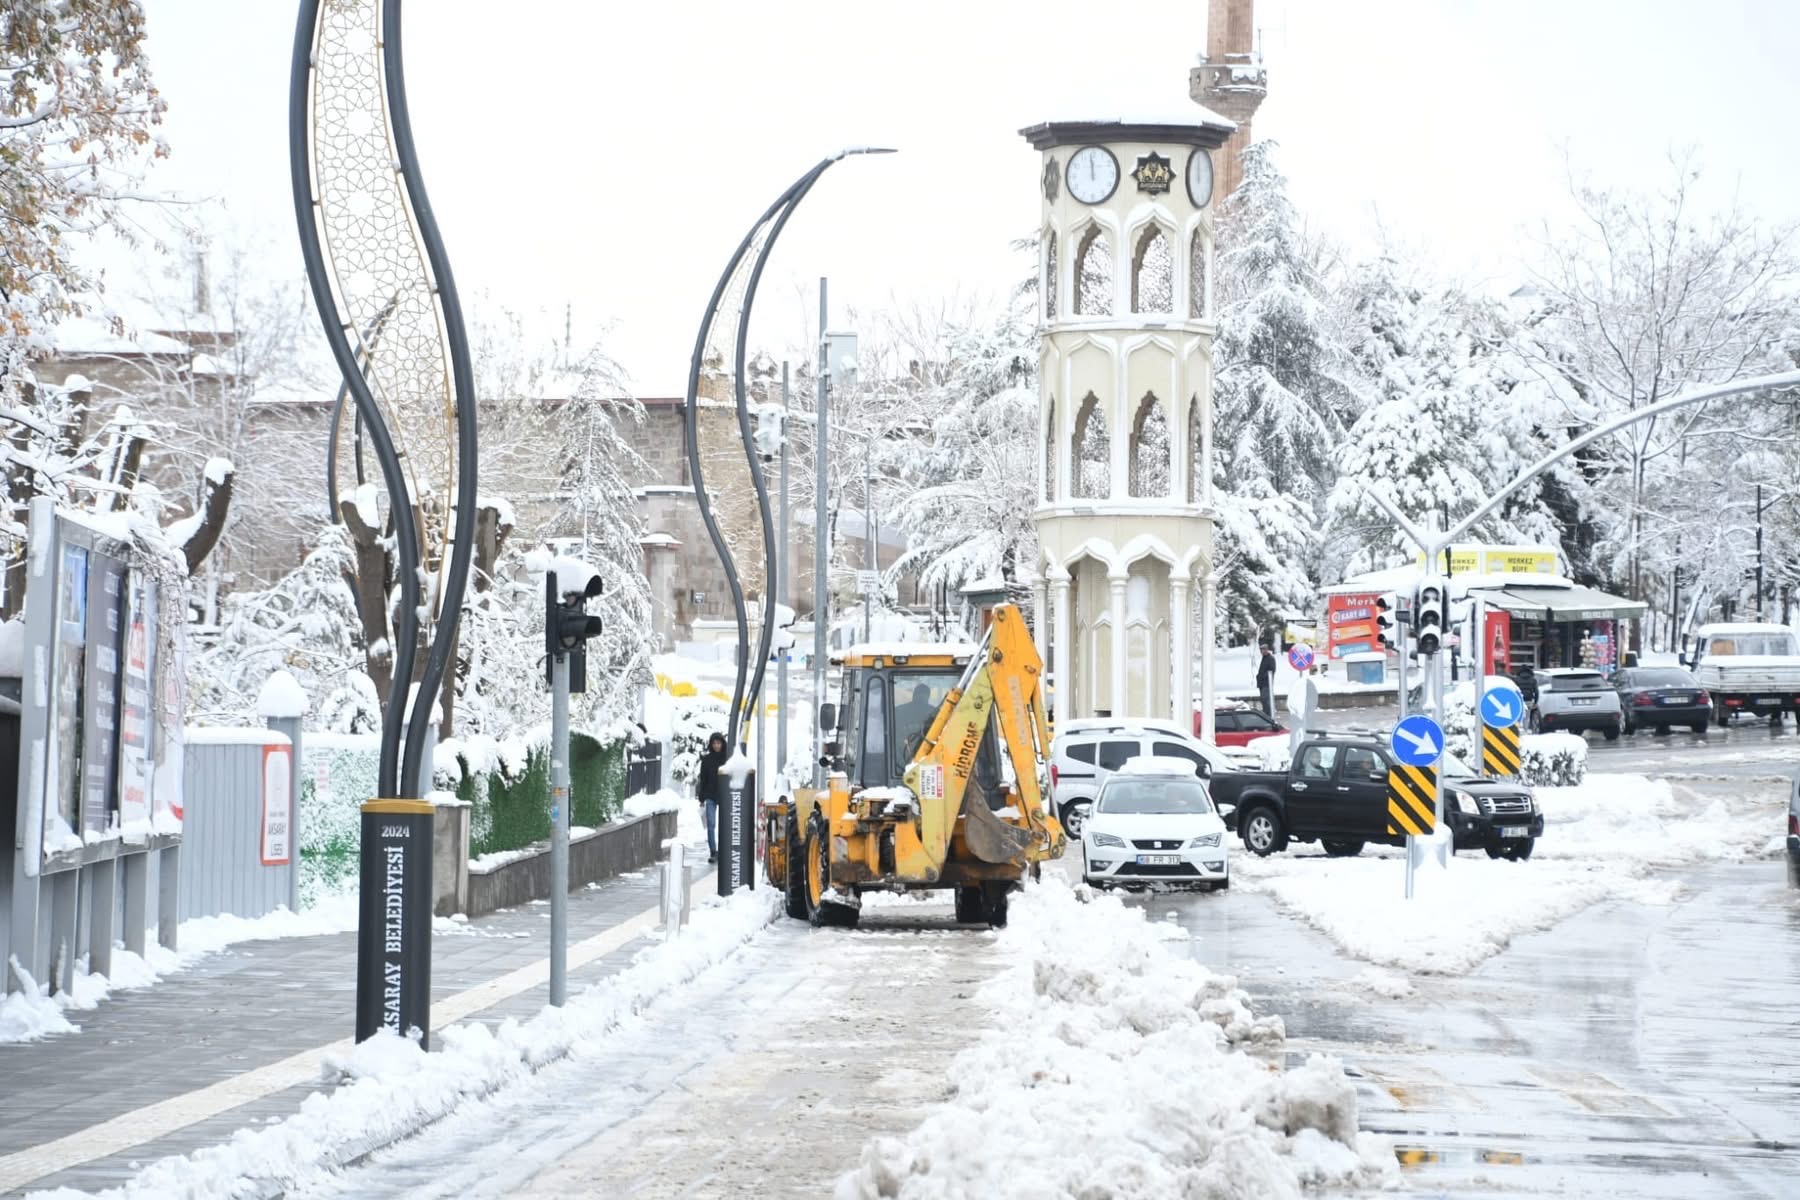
(1500, 750)
(1412, 800)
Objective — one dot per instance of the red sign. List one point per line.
(1350, 624)
(1499, 641)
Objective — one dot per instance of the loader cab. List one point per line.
(888, 701)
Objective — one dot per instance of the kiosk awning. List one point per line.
(1562, 603)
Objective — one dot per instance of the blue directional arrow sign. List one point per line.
(1417, 741)
(1502, 706)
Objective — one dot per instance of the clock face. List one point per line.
(1199, 177)
(1093, 174)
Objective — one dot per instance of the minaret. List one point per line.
(1230, 80)
(1125, 516)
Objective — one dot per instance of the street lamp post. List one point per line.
(837, 357)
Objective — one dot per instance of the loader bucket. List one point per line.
(989, 838)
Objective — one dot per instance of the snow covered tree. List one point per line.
(1279, 400)
(78, 111)
(970, 515)
(1643, 297)
(1448, 423)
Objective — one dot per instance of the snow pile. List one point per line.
(645, 803)
(1552, 759)
(1601, 841)
(33, 1013)
(12, 647)
(281, 697)
(390, 1088)
(1459, 918)
(1113, 1067)
(1655, 823)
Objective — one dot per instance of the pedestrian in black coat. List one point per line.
(1265, 681)
(707, 787)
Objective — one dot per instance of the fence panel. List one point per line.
(239, 813)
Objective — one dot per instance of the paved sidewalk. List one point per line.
(247, 1009)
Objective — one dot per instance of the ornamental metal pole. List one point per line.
(785, 572)
(821, 548)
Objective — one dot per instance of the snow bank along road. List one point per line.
(908, 1058)
(1623, 1048)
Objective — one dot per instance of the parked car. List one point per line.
(1153, 823)
(1237, 726)
(1335, 793)
(1570, 700)
(1087, 751)
(1748, 668)
(1658, 697)
(1793, 836)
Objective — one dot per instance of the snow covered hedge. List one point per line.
(1552, 759)
(507, 786)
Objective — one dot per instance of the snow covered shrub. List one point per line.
(1552, 759)
(337, 774)
(696, 719)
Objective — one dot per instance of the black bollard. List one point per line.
(393, 936)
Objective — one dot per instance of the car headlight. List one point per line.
(1107, 839)
(1466, 803)
(1205, 839)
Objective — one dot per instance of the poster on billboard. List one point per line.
(63, 781)
(277, 806)
(100, 695)
(167, 662)
(134, 712)
(1350, 624)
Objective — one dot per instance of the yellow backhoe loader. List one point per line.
(917, 797)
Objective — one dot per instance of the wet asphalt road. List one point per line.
(1629, 1051)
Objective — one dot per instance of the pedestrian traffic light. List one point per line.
(568, 626)
(1428, 616)
(1387, 620)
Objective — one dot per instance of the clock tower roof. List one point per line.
(1210, 131)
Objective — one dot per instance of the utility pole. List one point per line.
(559, 828)
(821, 549)
(784, 567)
(1759, 553)
(870, 553)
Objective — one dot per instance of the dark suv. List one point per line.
(1336, 794)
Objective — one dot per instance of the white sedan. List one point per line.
(1154, 823)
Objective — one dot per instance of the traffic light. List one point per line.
(568, 626)
(1428, 616)
(1387, 620)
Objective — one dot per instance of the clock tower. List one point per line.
(1125, 515)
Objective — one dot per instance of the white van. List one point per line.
(1747, 668)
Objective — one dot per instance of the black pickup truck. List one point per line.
(1335, 793)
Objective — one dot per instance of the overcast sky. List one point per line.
(610, 156)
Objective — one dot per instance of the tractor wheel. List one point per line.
(995, 897)
(820, 911)
(969, 907)
(796, 873)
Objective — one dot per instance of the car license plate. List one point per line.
(1676, 700)
(1512, 831)
(1584, 700)
(1768, 699)
(1158, 860)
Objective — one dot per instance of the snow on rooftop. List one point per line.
(86, 336)
(909, 649)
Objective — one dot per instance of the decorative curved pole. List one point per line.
(370, 336)
(375, 261)
(453, 582)
(387, 455)
(742, 273)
